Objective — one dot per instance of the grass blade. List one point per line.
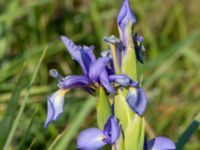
(22, 143)
(10, 113)
(185, 136)
(16, 122)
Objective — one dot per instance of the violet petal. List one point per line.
(50, 113)
(125, 16)
(55, 106)
(75, 81)
(137, 100)
(121, 79)
(161, 143)
(90, 139)
(83, 55)
(97, 67)
(111, 130)
(106, 83)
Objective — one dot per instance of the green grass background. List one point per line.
(30, 45)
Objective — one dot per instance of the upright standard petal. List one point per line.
(83, 55)
(90, 139)
(161, 143)
(137, 100)
(97, 67)
(90, 52)
(55, 106)
(75, 81)
(111, 130)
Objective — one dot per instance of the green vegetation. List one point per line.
(30, 45)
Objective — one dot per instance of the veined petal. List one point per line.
(83, 55)
(55, 106)
(90, 139)
(121, 79)
(97, 67)
(137, 100)
(50, 113)
(161, 143)
(75, 81)
(105, 82)
(90, 53)
(111, 130)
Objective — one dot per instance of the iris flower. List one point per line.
(96, 72)
(93, 138)
(94, 75)
(159, 143)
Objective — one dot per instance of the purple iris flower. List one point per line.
(136, 97)
(159, 143)
(93, 138)
(95, 75)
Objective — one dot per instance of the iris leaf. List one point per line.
(134, 135)
(103, 108)
(122, 110)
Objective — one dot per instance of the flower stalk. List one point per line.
(112, 78)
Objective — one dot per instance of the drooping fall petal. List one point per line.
(55, 104)
(161, 143)
(90, 139)
(137, 100)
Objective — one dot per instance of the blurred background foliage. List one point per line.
(171, 73)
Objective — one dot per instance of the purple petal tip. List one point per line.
(90, 139)
(137, 100)
(161, 143)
